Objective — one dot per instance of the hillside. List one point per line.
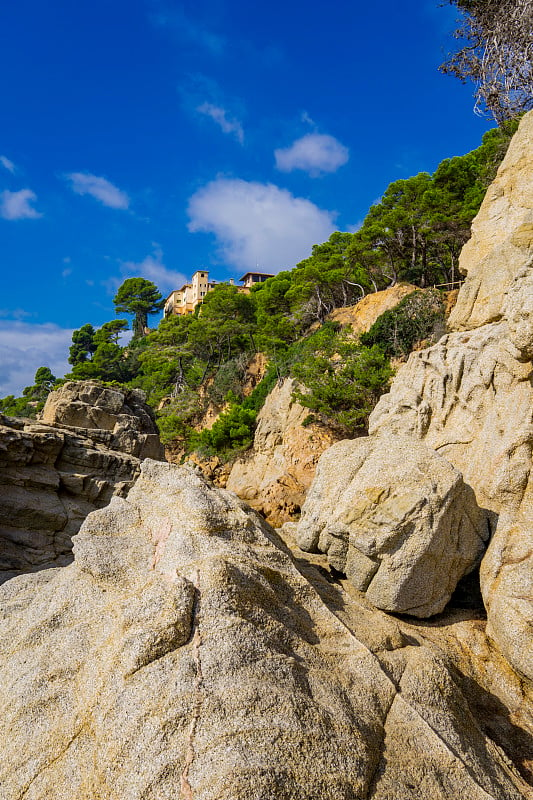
(190, 649)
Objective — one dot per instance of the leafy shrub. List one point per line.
(420, 315)
(232, 431)
(340, 379)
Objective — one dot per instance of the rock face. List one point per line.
(397, 519)
(274, 478)
(362, 316)
(122, 412)
(183, 654)
(52, 475)
(502, 237)
(470, 397)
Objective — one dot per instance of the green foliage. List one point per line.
(232, 431)
(419, 316)
(340, 379)
(139, 297)
(83, 345)
(33, 397)
(416, 232)
(175, 419)
(110, 332)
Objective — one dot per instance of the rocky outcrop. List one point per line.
(362, 316)
(502, 237)
(53, 475)
(397, 519)
(470, 397)
(274, 477)
(183, 654)
(121, 416)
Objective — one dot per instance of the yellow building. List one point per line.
(184, 301)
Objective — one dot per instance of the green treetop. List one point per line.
(139, 297)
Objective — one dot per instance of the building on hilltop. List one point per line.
(184, 301)
(251, 278)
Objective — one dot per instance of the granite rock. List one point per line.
(183, 654)
(397, 519)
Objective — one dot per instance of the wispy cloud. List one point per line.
(5, 162)
(15, 313)
(221, 116)
(257, 223)
(17, 205)
(25, 347)
(99, 188)
(189, 30)
(152, 268)
(315, 153)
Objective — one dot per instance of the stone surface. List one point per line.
(122, 412)
(397, 519)
(507, 581)
(182, 654)
(52, 475)
(274, 477)
(502, 237)
(470, 397)
(362, 316)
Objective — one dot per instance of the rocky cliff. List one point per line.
(87, 447)
(470, 399)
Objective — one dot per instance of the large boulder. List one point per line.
(470, 398)
(183, 654)
(121, 412)
(50, 479)
(397, 518)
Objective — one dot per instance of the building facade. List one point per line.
(184, 301)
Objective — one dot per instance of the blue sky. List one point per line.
(152, 137)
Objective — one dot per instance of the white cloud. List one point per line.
(226, 123)
(315, 153)
(99, 188)
(25, 347)
(16, 205)
(258, 224)
(153, 269)
(5, 162)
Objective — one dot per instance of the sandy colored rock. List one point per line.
(122, 412)
(362, 316)
(53, 474)
(274, 477)
(397, 519)
(183, 654)
(50, 479)
(507, 583)
(470, 396)
(502, 236)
